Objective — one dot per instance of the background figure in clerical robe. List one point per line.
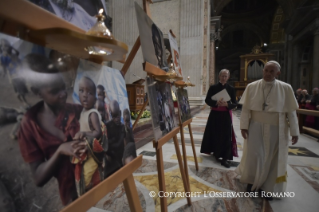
(116, 135)
(219, 134)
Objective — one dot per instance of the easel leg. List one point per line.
(184, 154)
(131, 56)
(179, 158)
(132, 195)
(161, 178)
(140, 114)
(193, 145)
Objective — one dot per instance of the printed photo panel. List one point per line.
(34, 81)
(41, 115)
(78, 12)
(162, 107)
(152, 41)
(175, 54)
(107, 89)
(183, 104)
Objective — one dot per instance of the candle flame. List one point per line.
(101, 11)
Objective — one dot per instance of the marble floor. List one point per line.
(303, 178)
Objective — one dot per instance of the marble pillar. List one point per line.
(192, 47)
(315, 78)
(212, 62)
(125, 29)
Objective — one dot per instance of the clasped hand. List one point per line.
(75, 148)
(222, 103)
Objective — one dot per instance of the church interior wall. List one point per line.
(275, 24)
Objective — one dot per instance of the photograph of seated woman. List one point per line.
(157, 37)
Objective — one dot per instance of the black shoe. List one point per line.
(225, 163)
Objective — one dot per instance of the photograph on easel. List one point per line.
(101, 90)
(162, 107)
(175, 54)
(152, 41)
(183, 104)
(52, 104)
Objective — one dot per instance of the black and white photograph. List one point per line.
(152, 41)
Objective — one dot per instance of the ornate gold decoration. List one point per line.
(100, 30)
(256, 50)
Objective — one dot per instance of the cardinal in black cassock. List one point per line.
(219, 136)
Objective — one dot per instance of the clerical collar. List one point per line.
(264, 82)
(222, 84)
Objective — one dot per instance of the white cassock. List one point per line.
(265, 153)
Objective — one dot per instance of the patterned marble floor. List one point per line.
(303, 178)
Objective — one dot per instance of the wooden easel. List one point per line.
(34, 24)
(160, 165)
(182, 125)
(125, 175)
(154, 71)
(181, 85)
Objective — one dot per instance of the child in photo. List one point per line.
(116, 135)
(100, 106)
(89, 169)
(101, 94)
(47, 128)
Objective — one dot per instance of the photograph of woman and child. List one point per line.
(79, 142)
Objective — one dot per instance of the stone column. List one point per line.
(125, 29)
(212, 56)
(315, 78)
(191, 46)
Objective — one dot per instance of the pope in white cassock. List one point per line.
(267, 106)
